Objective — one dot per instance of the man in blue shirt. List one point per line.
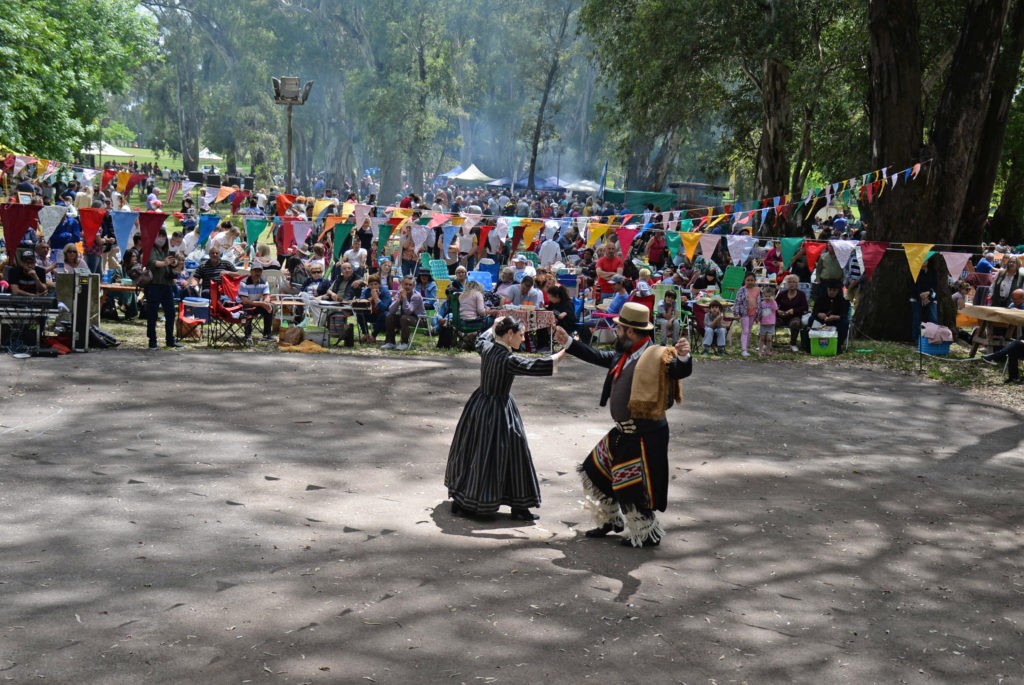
(984, 266)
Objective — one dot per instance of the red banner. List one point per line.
(872, 252)
(17, 220)
(149, 227)
(813, 251)
(91, 220)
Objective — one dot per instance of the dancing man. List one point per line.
(625, 477)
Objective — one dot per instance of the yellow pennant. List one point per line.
(41, 165)
(717, 220)
(916, 254)
(122, 180)
(458, 220)
(530, 231)
(810, 212)
(690, 243)
(349, 207)
(596, 231)
(399, 213)
(881, 190)
(318, 207)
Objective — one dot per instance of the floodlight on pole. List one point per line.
(288, 92)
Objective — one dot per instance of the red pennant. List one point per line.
(625, 219)
(17, 220)
(285, 237)
(107, 177)
(237, 198)
(626, 236)
(517, 235)
(133, 181)
(482, 241)
(149, 227)
(283, 203)
(701, 223)
(91, 220)
(813, 250)
(872, 252)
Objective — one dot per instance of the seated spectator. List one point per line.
(527, 294)
(923, 305)
(127, 302)
(426, 287)
(254, 295)
(667, 316)
(72, 261)
(210, 270)
(472, 307)
(522, 267)
(1007, 279)
(792, 307)
(403, 314)
(379, 301)
(314, 284)
(506, 283)
(715, 327)
(561, 303)
(25, 278)
(346, 287)
(44, 261)
(1012, 353)
(832, 309)
(356, 256)
(265, 259)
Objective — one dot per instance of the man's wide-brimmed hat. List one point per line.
(635, 315)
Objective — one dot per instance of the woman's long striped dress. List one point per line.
(489, 463)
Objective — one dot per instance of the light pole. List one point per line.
(287, 92)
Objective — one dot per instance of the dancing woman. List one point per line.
(489, 463)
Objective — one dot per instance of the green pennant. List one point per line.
(424, 220)
(686, 225)
(673, 241)
(254, 228)
(846, 197)
(341, 232)
(789, 248)
(383, 237)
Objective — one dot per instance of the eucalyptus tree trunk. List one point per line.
(772, 163)
(549, 84)
(1008, 220)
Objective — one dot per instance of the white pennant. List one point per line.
(740, 247)
(419, 235)
(955, 262)
(88, 175)
(187, 186)
(360, 212)
(708, 243)
(301, 230)
(210, 196)
(844, 250)
(470, 221)
(50, 217)
(893, 179)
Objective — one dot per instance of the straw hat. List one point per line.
(635, 315)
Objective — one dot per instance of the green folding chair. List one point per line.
(732, 281)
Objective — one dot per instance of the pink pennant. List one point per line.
(708, 243)
(956, 262)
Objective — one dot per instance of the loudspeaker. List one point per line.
(233, 181)
(213, 179)
(196, 176)
(86, 287)
(249, 183)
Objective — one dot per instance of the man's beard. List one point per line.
(623, 344)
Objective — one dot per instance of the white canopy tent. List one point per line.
(206, 154)
(583, 186)
(471, 175)
(106, 150)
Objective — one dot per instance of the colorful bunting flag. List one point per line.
(740, 247)
(254, 228)
(916, 254)
(149, 227)
(708, 243)
(342, 229)
(50, 217)
(124, 225)
(17, 220)
(91, 220)
(956, 262)
(844, 250)
(871, 252)
(813, 250)
(207, 222)
(789, 248)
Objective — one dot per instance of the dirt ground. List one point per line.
(230, 518)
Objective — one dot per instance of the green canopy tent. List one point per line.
(637, 200)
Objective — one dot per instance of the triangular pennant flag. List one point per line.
(122, 181)
(844, 250)
(686, 225)
(449, 236)
(50, 217)
(319, 207)
(764, 216)
(124, 226)
(420, 235)
(284, 237)
(672, 226)
(893, 179)
(210, 196)
(341, 233)
(207, 222)
(471, 220)
(383, 236)
(149, 228)
(626, 236)
(187, 186)
(107, 177)
(401, 213)
(871, 253)
(596, 231)
(283, 203)
(530, 231)
(20, 162)
(254, 228)
(718, 219)
(517, 235)
(301, 231)
(347, 209)
(813, 250)
(88, 175)
(673, 241)
(482, 243)
(789, 248)
(237, 198)
(133, 181)
(740, 247)
(17, 220)
(916, 170)
(438, 219)
(956, 262)
(360, 213)
(223, 193)
(91, 220)
(690, 242)
(916, 254)
(708, 243)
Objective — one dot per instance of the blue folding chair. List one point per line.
(482, 277)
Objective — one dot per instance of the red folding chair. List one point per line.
(228, 324)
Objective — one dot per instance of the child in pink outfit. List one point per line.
(766, 329)
(747, 309)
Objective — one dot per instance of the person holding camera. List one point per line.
(158, 292)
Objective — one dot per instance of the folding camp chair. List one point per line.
(732, 281)
(228, 324)
(481, 277)
(188, 327)
(439, 270)
(459, 326)
(683, 315)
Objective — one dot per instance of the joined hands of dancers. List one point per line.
(563, 338)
